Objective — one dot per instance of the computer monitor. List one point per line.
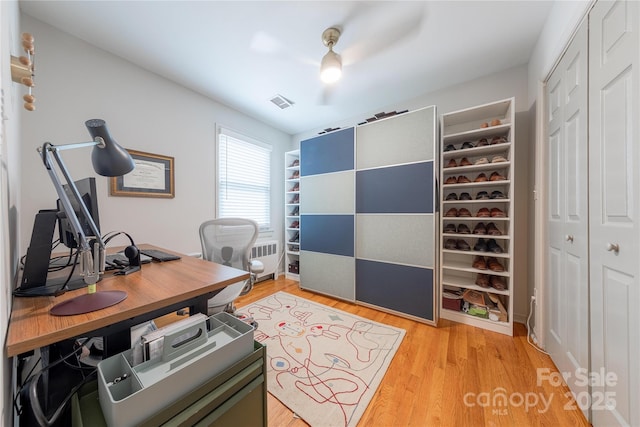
(87, 189)
(36, 266)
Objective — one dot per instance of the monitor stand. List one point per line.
(36, 265)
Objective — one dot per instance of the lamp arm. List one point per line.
(91, 267)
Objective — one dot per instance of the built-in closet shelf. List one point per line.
(476, 202)
(467, 283)
(292, 179)
(490, 184)
(477, 151)
(457, 170)
(474, 236)
(456, 266)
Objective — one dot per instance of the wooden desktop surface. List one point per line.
(156, 286)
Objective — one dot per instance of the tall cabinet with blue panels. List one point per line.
(367, 214)
(327, 217)
(396, 223)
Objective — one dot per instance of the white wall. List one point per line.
(10, 112)
(77, 81)
(564, 18)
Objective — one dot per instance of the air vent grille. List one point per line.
(281, 102)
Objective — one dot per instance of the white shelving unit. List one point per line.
(464, 130)
(292, 214)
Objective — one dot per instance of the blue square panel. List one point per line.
(396, 287)
(398, 189)
(331, 152)
(329, 234)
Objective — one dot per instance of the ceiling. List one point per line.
(242, 53)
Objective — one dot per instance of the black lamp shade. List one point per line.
(112, 159)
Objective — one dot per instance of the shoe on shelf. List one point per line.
(465, 162)
(463, 229)
(498, 140)
(480, 228)
(483, 213)
(295, 199)
(496, 122)
(295, 175)
(481, 178)
(479, 262)
(498, 283)
(498, 159)
(494, 247)
(295, 224)
(451, 213)
(452, 164)
(492, 230)
(463, 180)
(497, 213)
(450, 244)
(481, 246)
(482, 161)
(449, 147)
(482, 280)
(295, 211)
(463, 212)
(450, 229)
(482, 195)
(295, 238)
(497, 177)
(462, 245)
(451, 180)
(466, 144)
(465, 196)
(498, 195)
(494, 265)
(296, 187)
(452, 196)
(296, 162)
(482, 142)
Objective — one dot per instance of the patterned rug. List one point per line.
(323, 364)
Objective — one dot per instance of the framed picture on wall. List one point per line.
(153, 176)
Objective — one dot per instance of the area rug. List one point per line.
(323, 364)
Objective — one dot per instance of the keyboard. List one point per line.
(157, 255)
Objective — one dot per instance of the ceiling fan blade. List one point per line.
(383, 37)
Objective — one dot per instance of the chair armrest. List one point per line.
(256, 266)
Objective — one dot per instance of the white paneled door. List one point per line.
(614, 171)
(567, 296)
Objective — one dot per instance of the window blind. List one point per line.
(244, 178)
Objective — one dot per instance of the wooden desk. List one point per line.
(158, 289)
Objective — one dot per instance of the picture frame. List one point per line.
(153, 176)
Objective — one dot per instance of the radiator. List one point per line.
(267, 252)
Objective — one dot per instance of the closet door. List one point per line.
(614, 171)
(567, 304)
(327, 230)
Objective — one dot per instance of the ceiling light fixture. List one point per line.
(331, 65)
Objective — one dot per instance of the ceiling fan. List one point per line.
(369, 29)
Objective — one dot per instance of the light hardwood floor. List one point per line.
(452, 375)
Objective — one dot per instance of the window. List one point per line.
(244, 178)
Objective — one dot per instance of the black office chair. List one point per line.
(228, 241)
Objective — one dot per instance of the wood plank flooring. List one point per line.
(453, 375)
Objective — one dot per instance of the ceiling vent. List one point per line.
(281, 102)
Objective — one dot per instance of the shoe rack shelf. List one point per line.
(477, 176)
(292, 214)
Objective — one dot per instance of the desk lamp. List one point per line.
(109, 159)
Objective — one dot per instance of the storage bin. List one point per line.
(130, 394)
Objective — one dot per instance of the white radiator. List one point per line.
(267, 252)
